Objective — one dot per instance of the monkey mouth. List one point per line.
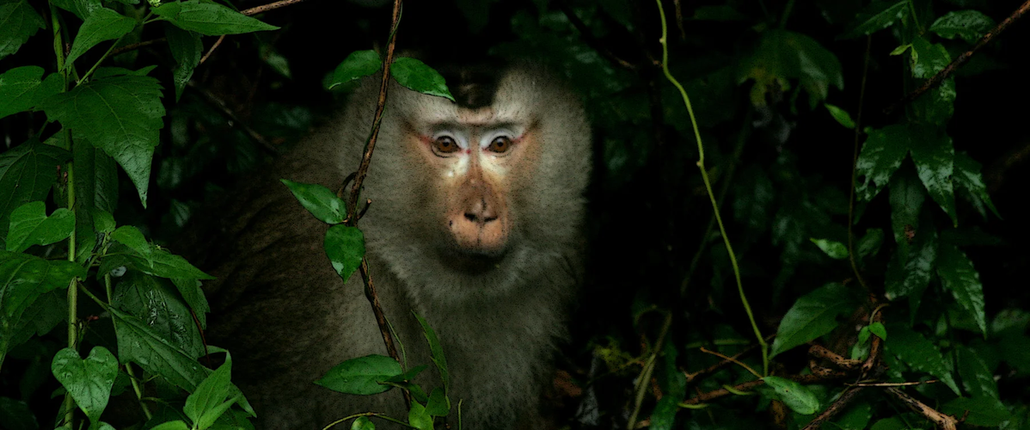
(473, 261)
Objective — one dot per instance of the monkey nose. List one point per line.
(480, 213)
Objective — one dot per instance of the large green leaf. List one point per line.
(958, 275)
(977, 378)
(211, 398)
(906, 197)
(361, 375)
(18, 22)
(31, 226)
(155, 302)
(919, 353)
(419, 418)
(417, 76)
(813, 315)
(967, 175)
(345, 246)
(934, 157)
(146, 257)
(23, 88)
(319, 200)
(103, 24)
(121, 115)
(970, 25)
(356, 66)
(794, 395)
(782, 55)
(23, 278)
(210, 19)
(96, 177)
(88, 380)
(881, 155)
(139, 343)
(909, 272)
(877, 16)
(436, 351)
(937, 104)
(186, 50)
(978, 411)
(27, 172)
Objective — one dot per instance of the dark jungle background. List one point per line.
(660, 285)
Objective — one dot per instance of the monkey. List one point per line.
(475, 225)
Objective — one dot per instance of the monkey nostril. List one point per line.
(471, 216)
(490, 218)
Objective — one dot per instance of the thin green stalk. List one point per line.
(73, 297)
(128, 368)
(711, 194)
(99, 61)
(786, 13)
(854, 166)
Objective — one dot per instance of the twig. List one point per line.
(221, 106)
(715, 367)
(258, 9)
(212, 49)
(837, 360)
(945, 421)
(958, 62)
(854, 165)
(838, 405)
(745, 386)
(645, 375)
(135, 46)
(359, 177)
(731, 360)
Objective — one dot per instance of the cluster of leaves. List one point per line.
(913, 308)
(141, 301)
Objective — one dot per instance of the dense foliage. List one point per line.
(874, 279)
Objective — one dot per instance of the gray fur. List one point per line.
(288, 318)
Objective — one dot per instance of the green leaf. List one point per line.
(27, 172)
(171, 425)
(103, 221)
(362, 423)
(856, 417)
(186, 50)
(23, 279)
(881, 155)
(190, 289)
(796, 396)
(439, 405)
(936, 105)
(878, 329)
(813, 315)
(870, 243)
(970, 25)
(209, 401)
(155, 302)
(417, 76)
(906, 197)
(419, 418)
(22, 88)
(977, 378)
(436, 351)
(319, 200)
(103, 24)
(209, 19)
(356, 66)
(88, 381)
(139, 343)
(909, 272)
(30, 226)
(934, 157)
(121, 115)
(958, 275)
(81, 8)
(919, 353)
(96, 178)
(978, 411)
(833, 249)
(361, 375)
(674, 386)
(840, 115)
(967, 176)
(146, 257)
(16, 415)
(783, 55)
(18, 22)
(345, 246)
(877, 16)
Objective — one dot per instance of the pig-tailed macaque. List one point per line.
(475, 224)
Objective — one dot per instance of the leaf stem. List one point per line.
(708, 188)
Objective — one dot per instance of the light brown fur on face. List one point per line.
(484, 245)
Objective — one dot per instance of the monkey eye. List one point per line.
(445, 145)
(500, 144)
